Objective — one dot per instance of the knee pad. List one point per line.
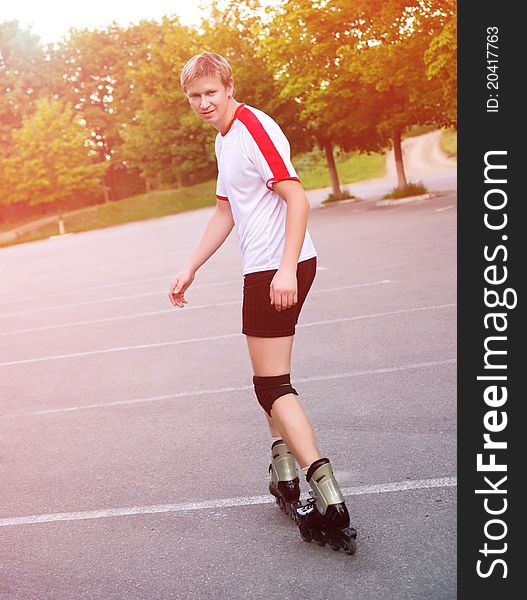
(269, 389)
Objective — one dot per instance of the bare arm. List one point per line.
(283, 291)
(295, 222)
(216, 232)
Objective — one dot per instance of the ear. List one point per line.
(230, 89)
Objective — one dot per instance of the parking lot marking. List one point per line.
(20, 295)
(26, 361)
(171, 310)
(376, 315)
(189, 394)
(114, 299)
(383, 488)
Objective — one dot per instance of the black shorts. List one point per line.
(259, 317)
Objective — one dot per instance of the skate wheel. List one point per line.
(319, 538)
(305, 533)
(292, 512)
(350, 547)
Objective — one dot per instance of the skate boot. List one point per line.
(284, 484)
(325, 518)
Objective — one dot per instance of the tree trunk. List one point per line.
(330, 159)
(62, 231)
(107, 187)
(398, 154)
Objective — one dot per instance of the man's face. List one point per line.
(210, 100)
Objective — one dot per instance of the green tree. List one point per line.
(359, 68)
(390, 61)
(163, 138)
(22, 77)
(441, 63)
(300, 39)
(235, 33)
(94, 68)
(51, 159)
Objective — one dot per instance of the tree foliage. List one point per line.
(162, 138)
(236, 33)
(358, 69)
(22, 77)
(353, 74)
(441, 61)
(51, 159)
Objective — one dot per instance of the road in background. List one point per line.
(424, 162)
(423, 158)
(133, 452)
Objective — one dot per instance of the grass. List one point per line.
(311, 168)
(448, 142)
(137, 208)
(7, 225)
(313, 172)
(411, 189)
(416, 130)
(344, 195)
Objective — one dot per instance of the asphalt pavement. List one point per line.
(133, 452)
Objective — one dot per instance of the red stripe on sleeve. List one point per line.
(269, 182)
(222, 197)
(264, 142)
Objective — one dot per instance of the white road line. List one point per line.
(189, 394)
(382, 488)
(20, 297)
(115, 298)
(104, 267)
(375, 315)
(444, 208)
(355, 285)
(82, 288)
(119, 318)
(214, 337)
(118, 349)
(171, 310)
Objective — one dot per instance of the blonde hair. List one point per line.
(206, 64)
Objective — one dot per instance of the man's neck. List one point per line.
(230, 114)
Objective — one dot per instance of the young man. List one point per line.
(259, 193)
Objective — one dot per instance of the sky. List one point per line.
(51, 19)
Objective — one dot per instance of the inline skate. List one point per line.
(284, 484)
(324, 518)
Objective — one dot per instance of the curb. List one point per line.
(395, 202)
(8, 236)
(346, 201)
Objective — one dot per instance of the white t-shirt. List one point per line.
(252, 154)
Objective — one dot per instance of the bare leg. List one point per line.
(275, 432)
(272, 356)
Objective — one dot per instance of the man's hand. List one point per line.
(176, 294)
(284, 290)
